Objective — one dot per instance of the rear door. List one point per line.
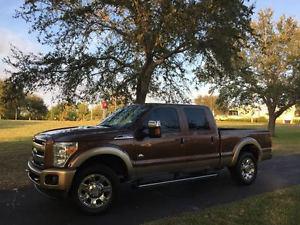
(201, 139)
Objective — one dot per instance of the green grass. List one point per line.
(15, 147)
(15, 144)
(281, 207)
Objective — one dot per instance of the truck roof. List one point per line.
(173, 104)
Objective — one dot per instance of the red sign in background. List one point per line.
(104, 104)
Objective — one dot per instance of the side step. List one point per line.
(176, 180)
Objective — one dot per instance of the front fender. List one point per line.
(105, 150)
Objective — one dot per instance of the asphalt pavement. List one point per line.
(136, 206)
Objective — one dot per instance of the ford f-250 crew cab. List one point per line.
(141, 144)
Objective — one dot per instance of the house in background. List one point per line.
(260, 114)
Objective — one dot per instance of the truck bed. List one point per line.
(230, 137)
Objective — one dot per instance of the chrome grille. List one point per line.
(38, 152)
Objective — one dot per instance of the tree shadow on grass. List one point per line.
(13, 162)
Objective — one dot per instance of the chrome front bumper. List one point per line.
(39, 177)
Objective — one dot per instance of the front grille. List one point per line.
(38, 153)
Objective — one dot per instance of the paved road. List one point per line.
(27, 207)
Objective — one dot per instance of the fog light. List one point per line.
(51, 179)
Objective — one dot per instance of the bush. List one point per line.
(296, 121)
(260, 119)
(239, 119)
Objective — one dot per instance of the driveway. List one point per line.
(27, 207)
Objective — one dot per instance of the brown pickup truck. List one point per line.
(144, 145)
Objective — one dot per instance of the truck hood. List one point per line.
(80, 133)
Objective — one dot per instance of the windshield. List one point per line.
(124, 117)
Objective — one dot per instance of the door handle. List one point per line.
(182, 140)
(212, 139)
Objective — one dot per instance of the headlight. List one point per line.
(62, 152)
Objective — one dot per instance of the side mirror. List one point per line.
(154, 128)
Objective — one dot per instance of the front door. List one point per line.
(162, 154)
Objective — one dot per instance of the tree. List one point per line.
(128, 48)
(270, 72)
(211, 102)
(297, 111)
(63, 111)
(34, 108)
(82, 111)
(55, 112)
(69, 112)
(12, 99)
(97, 112)
(2, 105)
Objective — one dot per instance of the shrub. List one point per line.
(296, 121)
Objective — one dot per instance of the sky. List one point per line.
(15, 31)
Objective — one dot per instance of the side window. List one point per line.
(196, 118)
(168, 118)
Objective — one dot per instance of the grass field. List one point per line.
(281, 207)
(16, 136)
(15, 147)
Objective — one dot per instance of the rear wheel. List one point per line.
(95, 188)
(245, 170)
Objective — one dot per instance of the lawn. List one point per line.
(15, 144)
(15, 147)
(281, 207)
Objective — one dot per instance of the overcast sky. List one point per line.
(15, 31)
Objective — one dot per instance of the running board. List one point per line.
(176, 180)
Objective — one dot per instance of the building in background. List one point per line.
(260, 114)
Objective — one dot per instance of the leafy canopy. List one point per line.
(14, 103)
(126, 48)
(270, 71)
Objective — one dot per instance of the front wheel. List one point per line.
(245, 170)
(95, 189)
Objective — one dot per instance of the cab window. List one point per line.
(196, 118)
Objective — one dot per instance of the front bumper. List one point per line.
(44, 179)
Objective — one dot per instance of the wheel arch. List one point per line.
(109, 156)
(246, 145)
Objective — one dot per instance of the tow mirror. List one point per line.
(154, 128)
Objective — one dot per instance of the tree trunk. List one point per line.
(271, 124)
(141, 91)
(143, 81)
(16, 114)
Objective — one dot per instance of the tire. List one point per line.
(245, 170)
(95, 188)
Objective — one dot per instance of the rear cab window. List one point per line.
(196, 118)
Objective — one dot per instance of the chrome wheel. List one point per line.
(248, 169)
(95, 191)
